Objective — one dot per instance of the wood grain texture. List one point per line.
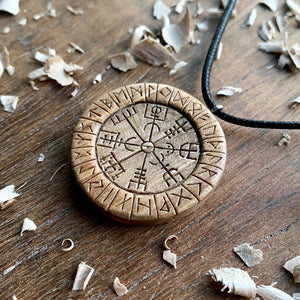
(256, 201)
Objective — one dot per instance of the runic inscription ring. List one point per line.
(147, 153)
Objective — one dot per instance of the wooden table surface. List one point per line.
(256, 201)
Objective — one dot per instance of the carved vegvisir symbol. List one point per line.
(147, 153)
(147, 148)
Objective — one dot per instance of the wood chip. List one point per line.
(219, 52)
(271, 293)
(159, 9)
(97, 79)
(170, 257)
(140, 33)
(229, 91)
(294, 103)
(283, 61)
(6, 62)
(9, 102)
(41, 158)
(265, 32)
(177, 67)
(51, 11)
(235, 280)
(74, 92)
(38, 16)
(119, 288)
(74, 11)
(153, 53)
(75, 47)
(123, 62)
(292, 266)
(285, 140)
(177, 34)
(271, 4)
(293, 6)
(70, 247)
(215, 12)
(33, 86)
(83, 276)
(202, 26)
(180, 6)
(22, 22)
(28, 225)
(248, 254)
(10, 6)
(5, 30)
(7, 196)
(272, 47)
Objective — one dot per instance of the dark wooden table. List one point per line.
(257, 200)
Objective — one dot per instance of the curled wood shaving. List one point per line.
(74, 11)
(285, 140)
(28, 225)
(248, 254)
(220, 50)
(294, 103)
(170, 237)
(272, 47)
(290, 266)
(71, 246)
(170, 257)
(123, 62)
(97, 79)
(9, 102)
(177, 67)
(7, 196)
(41, 158)
(293, 6)
(271, 4)
(176, 35)
(229, 91)
(159, 9)
(235, 280)
(140, 33)
(119, 288)
(251, 18)
(83, 276)
(152, 52)
(10, 6)
(56, 171)
(181, 4)
(271, 293)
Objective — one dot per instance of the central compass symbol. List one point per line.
(147, 148)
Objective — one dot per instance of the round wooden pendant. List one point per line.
(147, 153)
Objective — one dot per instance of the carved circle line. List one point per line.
(140, 148)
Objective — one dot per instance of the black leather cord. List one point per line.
(218, 109)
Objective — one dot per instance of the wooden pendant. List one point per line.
(147, 153)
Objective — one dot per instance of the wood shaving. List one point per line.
(170, 237)
(235, 280)
(180, 6)
(202, 26)
(10, 6)
(294, 103)
(123, 62)
(75, 92)
(38, 16)
(295, 58)
(271, 293)
(7, 196)
(33, 86)
(97, 79)
(215, 12)
(229, 91)
(271, 4)
(41, 57)
(159, 9)
(293, 6)
(177, 34)
(74, 11)
(177, 67)
(170, 257)
(219, 52)
(83, 276)
(199, 10)
(71, 246)
(74, 48)
(9, 102)
(251, 18)
(248, 254)
(5, 30)
(38, 74)
(285, 140)
(153, 53)
(6, 62)
(51, 11)
(140, 33)
(290, 266)
(28, 225)
(272, 47)
(22, 22)
(41, 158)
(265, 32)
(283, 61)
(119, 288)
(56, 171)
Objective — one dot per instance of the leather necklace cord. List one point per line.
(218, 109)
